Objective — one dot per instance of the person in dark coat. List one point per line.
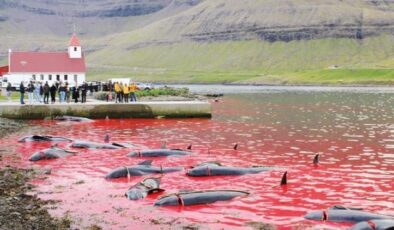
(9, 91)
(22, 92)
(76, 94)
(41, 92)
(53, 90)
(46, 93)
(84, 89)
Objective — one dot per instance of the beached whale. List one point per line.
(342, 214)
(42, 138)
(141, 169)
(50, 153)
(143, 188)
(72, 118)
(374, 225)
(96, 145)
(159, 153)
(216, 169)
(198, 197)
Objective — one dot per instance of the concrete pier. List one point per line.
(99, 109)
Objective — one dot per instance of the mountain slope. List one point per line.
(194, 40)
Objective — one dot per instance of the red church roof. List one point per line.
(45, 62)
(74, 41)
(3, 70)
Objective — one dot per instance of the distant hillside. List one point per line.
(213, 40)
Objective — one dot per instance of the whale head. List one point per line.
(316, 215)
(171, 200)
(36, 156)
(116, 173)
(134, 154)
(136, 194)
(199, 171)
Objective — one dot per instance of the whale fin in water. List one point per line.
(340, 207)
(316, 159)
(235, 146)
(147, 162)
(189, 147)
(284, 179)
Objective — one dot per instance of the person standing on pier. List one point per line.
(46, 93)
(53, 90)
(117, 91)
(121, 92)
(126, 93)
(67, 92)
(37, 92)
(75, 93)
(22, 92)
(9, 91)
(84, 89)
(30, 91)
(41, 92)
(133, 88)
(62, 93)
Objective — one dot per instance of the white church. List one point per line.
(48, 67)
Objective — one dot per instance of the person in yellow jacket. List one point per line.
(126, 93)
(117, 91)
(133, 88)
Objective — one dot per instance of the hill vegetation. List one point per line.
(242, 41)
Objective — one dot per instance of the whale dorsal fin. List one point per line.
(189, 147)
(340, 207)
(284, 179)
(316, 159)
(147, 162)
(235, 146)
(38, 137)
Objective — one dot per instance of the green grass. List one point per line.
(367, 61)
(15, 96)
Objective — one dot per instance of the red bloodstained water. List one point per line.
(353, 133)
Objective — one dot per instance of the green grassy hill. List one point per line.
(240, 41)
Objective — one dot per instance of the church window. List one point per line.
(57, 77)
(65, 77)
(50, 77)
(34, 77)
(75, 49)
(42, 77)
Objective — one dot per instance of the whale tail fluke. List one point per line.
(284, 179)
(316, 159)
(235, 146)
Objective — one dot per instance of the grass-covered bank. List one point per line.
(320, 61)
(277, 77)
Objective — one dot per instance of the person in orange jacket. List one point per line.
(117, 91)
(133, 89)
(126, 93)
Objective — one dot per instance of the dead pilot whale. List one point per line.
(160, 153)
(50, 153)
(97, 145)
(38, 138)
(198, 197)
(343, 214)
(143, 188)
(72, 118)
(374, 225)
(216, 169)
(141, 169)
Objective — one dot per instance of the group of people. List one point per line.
(125, 91)
(39, 92)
